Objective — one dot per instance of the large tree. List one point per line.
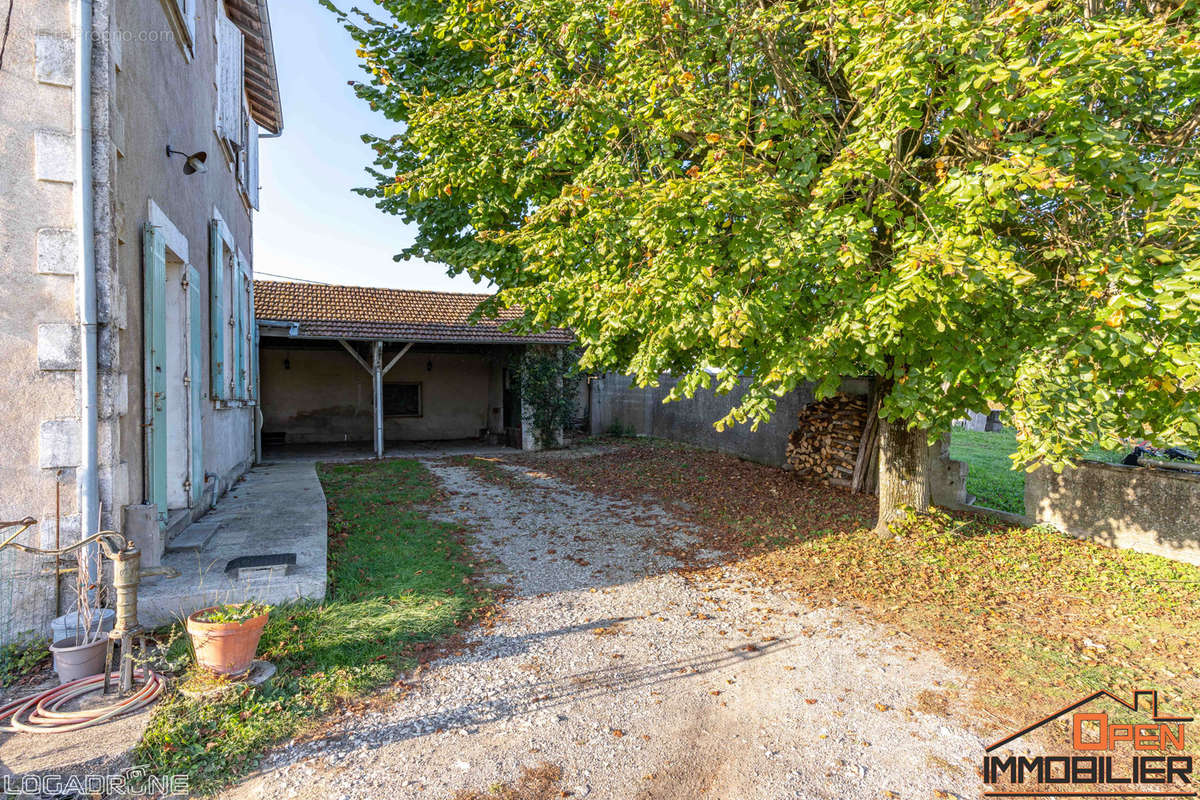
(975, 201)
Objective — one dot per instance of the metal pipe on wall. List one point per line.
(89, 500)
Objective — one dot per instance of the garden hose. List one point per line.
(42, 714)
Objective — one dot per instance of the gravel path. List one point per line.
(638, 682)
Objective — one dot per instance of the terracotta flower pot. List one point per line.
(225, 647)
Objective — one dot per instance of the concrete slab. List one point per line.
(360, 451)
(194, 537)
(275, 508)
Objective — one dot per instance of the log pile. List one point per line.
(835, 442)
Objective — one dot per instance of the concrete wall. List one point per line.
(150, 90)
(326, 396)
(1136, 508)
(616, 401)
(165, 94)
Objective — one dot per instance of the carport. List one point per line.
(357, 366)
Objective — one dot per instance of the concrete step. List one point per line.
(177, 520)
(194, 537)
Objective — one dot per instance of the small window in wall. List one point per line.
(402, 399)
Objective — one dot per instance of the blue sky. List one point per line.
(311, 225)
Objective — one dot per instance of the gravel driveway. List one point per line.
(640, 682)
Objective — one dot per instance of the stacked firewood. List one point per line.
(835, 441)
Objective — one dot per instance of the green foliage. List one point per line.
(396, 579)
(22, 657)
(234, 612)
(980, 202)
(992, 477)
(549, 379)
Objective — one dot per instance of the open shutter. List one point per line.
(253, 392)
(216, 305)
(239, 332)
(154, 334)
(195, 381)
(252, 165)
(230, 81)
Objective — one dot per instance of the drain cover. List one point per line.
(259, 567)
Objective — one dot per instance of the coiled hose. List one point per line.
(42, 715)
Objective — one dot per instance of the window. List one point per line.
(402, 399)
(182, 14)
(231, 88)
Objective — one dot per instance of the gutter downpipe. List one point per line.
(89, 501)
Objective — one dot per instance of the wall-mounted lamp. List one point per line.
(429, 365)
(195, 162)
(287, 361)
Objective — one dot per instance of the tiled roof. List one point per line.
(359, 312)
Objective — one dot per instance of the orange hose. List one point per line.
(42, 714)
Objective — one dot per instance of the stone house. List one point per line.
(355, 365)
(129, 135)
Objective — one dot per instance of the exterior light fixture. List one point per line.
(429, 365)
(287, 361)
(195, 162)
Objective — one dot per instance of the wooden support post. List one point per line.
(377, 370)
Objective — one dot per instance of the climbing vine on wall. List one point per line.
(549, 379)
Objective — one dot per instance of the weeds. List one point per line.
(22, 658)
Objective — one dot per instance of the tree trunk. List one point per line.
(903, 472)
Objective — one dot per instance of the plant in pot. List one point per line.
(225, 638)
(81, 654)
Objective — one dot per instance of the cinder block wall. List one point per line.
(1136, 508)
(616, 401)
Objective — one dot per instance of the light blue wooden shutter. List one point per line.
(154, 317)
(216, 305)
(253, 393)
(195, 381)
(239, 331)
(252, 174)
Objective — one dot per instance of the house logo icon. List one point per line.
(1145, 756)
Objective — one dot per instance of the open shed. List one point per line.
(351, 364)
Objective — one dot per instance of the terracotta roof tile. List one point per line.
(359, 312)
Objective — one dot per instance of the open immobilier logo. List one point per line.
(1110, 758)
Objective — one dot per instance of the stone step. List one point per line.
(194, 537)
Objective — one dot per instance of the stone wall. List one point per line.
(1136, 508)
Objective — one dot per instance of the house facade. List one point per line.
(353, 365)
(129, 175)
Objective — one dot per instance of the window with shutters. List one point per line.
(231, 91)
(402, 399)
(182, 14)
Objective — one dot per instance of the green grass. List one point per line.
(991, 478)
(396, 579)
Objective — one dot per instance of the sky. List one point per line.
(311, 225)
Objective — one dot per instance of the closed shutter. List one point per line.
(239, 332)
(195, 385)
(216, 304)
(252, 165)
(154, 334)
(230, 81)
